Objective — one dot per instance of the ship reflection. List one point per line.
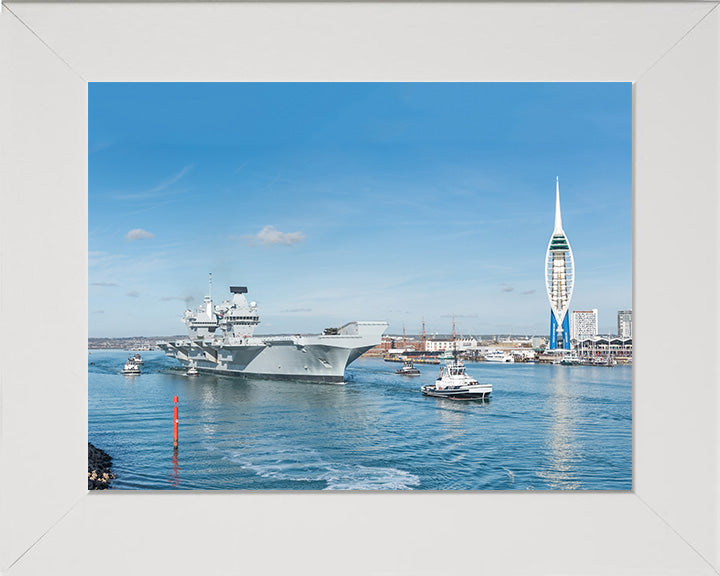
(175, 475)
(561, 441)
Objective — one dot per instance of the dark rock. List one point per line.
(99, 473)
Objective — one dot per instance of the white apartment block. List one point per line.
(583, 324)
(625, 323)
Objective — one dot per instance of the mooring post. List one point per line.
(175, 423)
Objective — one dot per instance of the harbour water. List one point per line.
(546, 428)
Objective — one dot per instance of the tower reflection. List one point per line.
(562, 443)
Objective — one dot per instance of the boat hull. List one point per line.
(463, 393)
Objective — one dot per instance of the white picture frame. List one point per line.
(49, 523)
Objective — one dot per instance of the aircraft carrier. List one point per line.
(221, 340)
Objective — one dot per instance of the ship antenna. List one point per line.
(210, 286)
(454, 341)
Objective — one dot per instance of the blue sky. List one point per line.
(338, 202)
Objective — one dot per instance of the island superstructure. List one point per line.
(221, 340)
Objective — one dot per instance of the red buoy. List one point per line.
(175, 423)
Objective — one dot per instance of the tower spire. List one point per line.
(558, 218)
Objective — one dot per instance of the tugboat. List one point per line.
(408, 369)
(131, 369)
(454, 382)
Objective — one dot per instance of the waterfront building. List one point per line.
(583, 324)
(617, 347)
(559, 280)
(625, 323)
(436, 345)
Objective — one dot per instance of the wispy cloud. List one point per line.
(101, 145)
(97, 258)
(133, 294)
(186, 299)
(170, 181)
(526, 292)
(459, 316)
(291, 310)
(104, 284)
(138, 234)
(507, 288)
(157, 190)
(271, 236)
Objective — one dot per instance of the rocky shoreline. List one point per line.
(99, 473)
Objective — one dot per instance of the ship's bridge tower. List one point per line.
(238, 318)
(559, 280)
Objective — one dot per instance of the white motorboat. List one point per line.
(192, 371)
(571, 359)
(131, 369)
(496, 355)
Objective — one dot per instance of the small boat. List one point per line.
(131, 369)
(571, 360)
(192, 371)
(137, 359)
(408, 369)
(455, 383)
(496, 355)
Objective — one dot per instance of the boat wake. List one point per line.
(309, 466)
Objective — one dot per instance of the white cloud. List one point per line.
(139, 234)
(271, 235)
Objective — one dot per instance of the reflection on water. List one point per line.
(546, 427)
(175, 476)
(562, 442)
